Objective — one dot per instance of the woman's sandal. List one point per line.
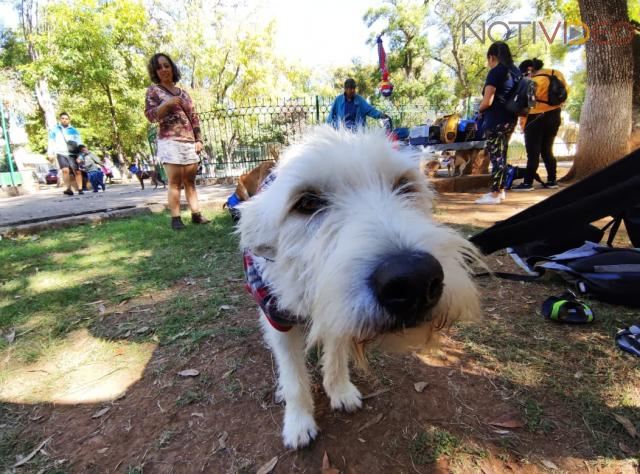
(567, 309)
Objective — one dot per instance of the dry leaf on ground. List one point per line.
(627, 425)
(189, 373)
(100, 412)
(420, 386)
(268, 467)
(508, 420)
(371, 422)
(626, 449)
(10, 336)
(549, 464)
(326, 466)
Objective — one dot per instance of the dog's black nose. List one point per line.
(407, 285)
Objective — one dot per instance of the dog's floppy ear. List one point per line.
(258, 227)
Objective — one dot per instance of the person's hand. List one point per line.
(198, 147)
(173, 101)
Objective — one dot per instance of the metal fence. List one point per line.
(238, 138)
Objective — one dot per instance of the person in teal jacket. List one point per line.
(349, 110)
(63, 146)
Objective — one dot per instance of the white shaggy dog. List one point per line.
(344, 241)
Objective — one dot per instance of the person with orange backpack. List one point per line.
(543, 121)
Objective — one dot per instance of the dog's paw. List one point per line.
(346, 397)
(299, 429)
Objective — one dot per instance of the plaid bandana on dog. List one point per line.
(256, 286)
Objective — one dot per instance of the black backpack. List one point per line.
(604, 273)
(557, 90)
(550, 236)
(522, 96)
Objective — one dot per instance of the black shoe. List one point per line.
(197, 218)
(176, 223)
(68, 192)
(522, 187)
(551, 185)
(81, 192)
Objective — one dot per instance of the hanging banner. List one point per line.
(386, 88)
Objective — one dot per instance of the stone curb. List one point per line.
(93, 218)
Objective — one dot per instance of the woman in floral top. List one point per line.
(179, 140)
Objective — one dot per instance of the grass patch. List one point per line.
(579, 367)
(190, 397)
(47, 283)
(427, 446)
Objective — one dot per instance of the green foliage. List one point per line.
(576, 95)
(13, 51)
(97, 62)
(427, 446)
(403, 24)
(37, 132)
(466, 60)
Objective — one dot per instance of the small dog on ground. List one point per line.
(248, 186)
(142, 175)
(429, 168)
(249, 183)
(340, 246)
(456, 165)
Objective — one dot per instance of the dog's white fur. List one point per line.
(319, 266)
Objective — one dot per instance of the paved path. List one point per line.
(51, 204)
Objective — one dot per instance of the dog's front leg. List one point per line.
(335, 365)
(293, 384)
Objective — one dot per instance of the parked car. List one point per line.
(52, 176)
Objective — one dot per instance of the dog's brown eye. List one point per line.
(404, 186)
(310, 203)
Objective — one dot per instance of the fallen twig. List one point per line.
(375, 394)
(28, 458)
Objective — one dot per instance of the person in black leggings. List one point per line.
(498, 122)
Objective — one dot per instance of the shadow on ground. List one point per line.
(511, 393)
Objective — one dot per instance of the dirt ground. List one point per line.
(225, 419)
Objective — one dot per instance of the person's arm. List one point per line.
(487, 98)
(190, 110)
(51, 145)
(195, 123)
(332, 113)
(496, 77)
(371, 111)
(154, 108)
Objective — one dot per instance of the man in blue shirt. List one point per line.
(63, 146)
(350, 110)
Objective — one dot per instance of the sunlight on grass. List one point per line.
(78, 369)
(49, 283)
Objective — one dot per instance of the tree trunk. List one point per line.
(636, 80)
(46, 103)
(30, 11)
(605, 121)
(114, 124)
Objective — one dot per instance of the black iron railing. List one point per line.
(237, 138)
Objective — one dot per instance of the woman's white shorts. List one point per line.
(177, 153)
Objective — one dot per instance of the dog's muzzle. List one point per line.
(407, 285)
